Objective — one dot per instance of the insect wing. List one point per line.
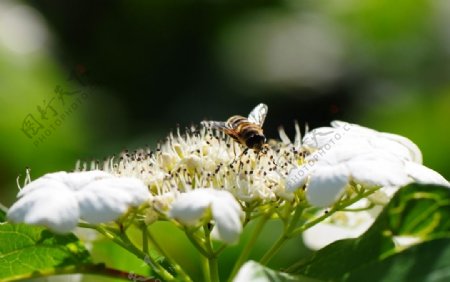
(258, 114)
(215, 124)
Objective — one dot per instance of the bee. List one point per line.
(245, 130)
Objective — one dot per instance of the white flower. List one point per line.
(347, 153)
(255, 272)
(340, 225)
(190, 207)
(348, 225)
(58, 200)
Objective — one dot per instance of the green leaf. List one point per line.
(253, 271)
(421, 211)
(26, 251)
(429, 261)
(343, 256)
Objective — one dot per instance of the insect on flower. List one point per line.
(245, 130)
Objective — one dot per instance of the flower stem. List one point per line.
(213, 269)
(205, 268)
(161, 271)
(197, 244)
(291, 232)
(285, 236)
(274, 249)
(249, 246)
(145, 240)
(212, 259)
(122, 240)
(183, 275)
(339, 207)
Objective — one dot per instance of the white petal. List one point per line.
(340, 151)
(414, 153)
(39, 183)
(425, 175)
(255, 272)
(339, 132)
(52, 205)
(77, 180)
(225, 210)
(396, 145)
(403, 242)
(352, 135)
(135, 187)
(383, 195)
(326, 185)
(376, 170)
(297, 178)
(318, 137)
(106, 199)
(250, 271)
(189, 207)
(228, 223)
(73, 180)
(326, 233)
(353, 129)
(228, 215)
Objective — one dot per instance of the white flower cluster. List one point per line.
(187, 177)
(211, 159)
(205, 176)
(207, 172)
(348, 154)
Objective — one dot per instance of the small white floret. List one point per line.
(190, 207)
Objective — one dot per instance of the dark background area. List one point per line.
(159, 59)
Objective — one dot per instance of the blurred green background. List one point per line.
(85, 79)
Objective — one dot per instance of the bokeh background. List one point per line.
(86, 79)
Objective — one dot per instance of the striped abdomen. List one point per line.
(246, 132)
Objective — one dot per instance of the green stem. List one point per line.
(334, 209)
(161, 271)
(205, 268)
(163, 252)
(196, 244)
(285, 236)
(94, 269)
(145, 240)
(289, 232)
(213, 269)
(249, 246)
(295, 218)
(122, 240)
(220, 249)
(208, 242)
(274, 249)
(212, 259)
